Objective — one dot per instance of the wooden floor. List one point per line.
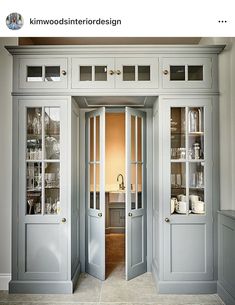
(115, 251)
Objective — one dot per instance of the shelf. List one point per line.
(34, 190)
(187, 160)
(52, 187)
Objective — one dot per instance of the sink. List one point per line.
(119, 196)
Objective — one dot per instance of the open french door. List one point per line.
(95, 193)
(136, 261)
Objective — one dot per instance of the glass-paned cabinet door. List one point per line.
(136, 73)
(187, 73)
(42, 157)
(93, 73)
(43, 73)
(188, 162)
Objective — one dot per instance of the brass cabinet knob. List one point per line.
(111, 72)
(167, 220)
(118, 72)
(63, 72)
(165, 72)
(100, 214)
(63, 220)
(130, 214)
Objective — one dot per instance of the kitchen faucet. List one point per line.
(121, 185)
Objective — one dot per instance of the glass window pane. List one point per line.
(195, 73)
(34, 74)
(85, 73)
(178, 202)
(178, 148)
(34, 188)
(97, 188)
(128, 73)
(140, 185)
(34, 134)
(196, 133)
(143, 73)
(139, 126)
(100, 73)
(133, 139)
(52, 188)
(91, 189)
(196, 187)
(52, 73)
(177, 73)
(133, 186)
(52, 133)
(91, 139)
(98, 138)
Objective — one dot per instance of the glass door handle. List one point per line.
(63, 220)
(130, 214)
(167, 219)
(100, 214)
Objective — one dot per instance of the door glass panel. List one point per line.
(177, 73)
(139, 136)
(196, 187)
(178, 147)
(100, 73)
(91, 188)
(178, 188)
(195, 73)
(196, 133)
(34, 134)
(34, 187)
(143, 73)
(52, 132)
(52, 73)
(128, 73)
(52, 188)
(85, 73)
(133, 186)
(34, 74)
(98, 138)
(140, 185)
(91, 139)
(133, 139)
(97, 188)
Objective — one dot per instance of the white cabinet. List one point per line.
(42, 73)
(114, 73)
(186, 73)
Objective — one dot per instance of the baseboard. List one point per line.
(226, 297)
(4, 280)
(41, 287)
(76, 275)
(187, 287)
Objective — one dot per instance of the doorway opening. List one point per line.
(115, 185)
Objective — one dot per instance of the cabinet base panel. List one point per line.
(227, 298)
(41, 287)
(187, 287)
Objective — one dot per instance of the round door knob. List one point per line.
(63, 220)
(167, 220)
(100, 214)
(118, 72)
(130, 214)
(63, 72)
(111, 72)
(165, 72)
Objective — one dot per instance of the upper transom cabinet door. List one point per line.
(43, 73)
(137, 73)
(92, 73)
(187, 73)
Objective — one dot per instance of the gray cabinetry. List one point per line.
(115, 214)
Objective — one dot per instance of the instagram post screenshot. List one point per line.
(117, 156)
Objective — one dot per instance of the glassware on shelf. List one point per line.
(195, 120)
(37, 123)
(197, 150)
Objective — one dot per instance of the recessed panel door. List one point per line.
(136, 262)
(95, 193)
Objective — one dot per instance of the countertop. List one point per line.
(228, 213)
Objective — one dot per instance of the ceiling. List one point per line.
(107, 40)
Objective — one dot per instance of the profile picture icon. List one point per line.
(14, 21)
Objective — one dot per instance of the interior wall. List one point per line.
(227, 121)
(114, 148)
(5, 160)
